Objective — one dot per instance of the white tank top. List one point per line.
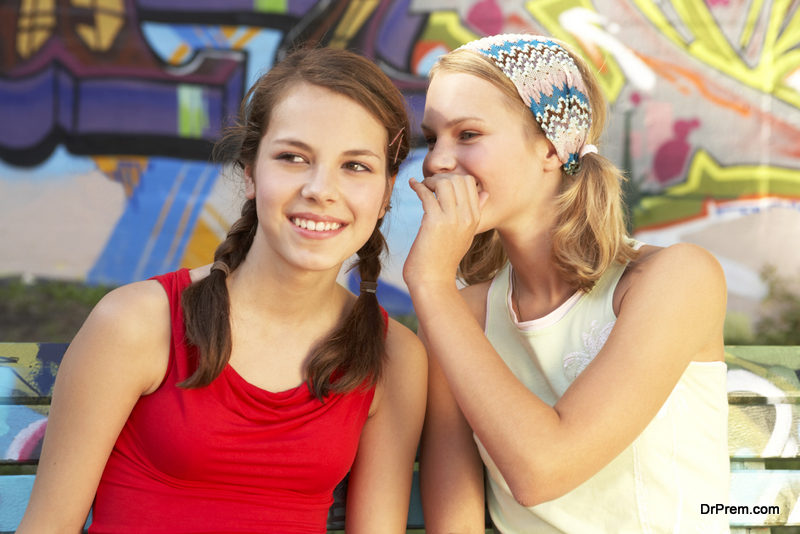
(657, 484)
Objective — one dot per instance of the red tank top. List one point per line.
(229, 457)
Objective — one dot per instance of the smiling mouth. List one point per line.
(315, 226)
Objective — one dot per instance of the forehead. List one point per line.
(315, 112)
(451, 94)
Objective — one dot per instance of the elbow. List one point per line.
(537, 486)
(530, 495)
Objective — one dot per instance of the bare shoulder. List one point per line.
(475, 297)
(405, 374)
(404, 349)
(129, 328)
(679, 264)
(682, 289)
(133, 309)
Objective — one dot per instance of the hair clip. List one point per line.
(397, 152)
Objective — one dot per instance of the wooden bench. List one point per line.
(764, 435)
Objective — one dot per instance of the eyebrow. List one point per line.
(304, 146)
(453, 122)
(361, 152)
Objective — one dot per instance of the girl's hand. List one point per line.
(452, 206)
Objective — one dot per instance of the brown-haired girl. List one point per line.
(234, 397)
(582, 369)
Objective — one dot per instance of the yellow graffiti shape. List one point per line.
(35, 24)
(609, 73)
(126, 170)
(109, 17)
(707, 180)
(445, 27)
(201, 246)
(20, 378)
(355, 16)
(780, 54)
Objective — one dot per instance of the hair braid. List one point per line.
(361, 336)
(210, 331)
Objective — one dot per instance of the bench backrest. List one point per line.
(763, 432)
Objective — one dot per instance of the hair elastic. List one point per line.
(369, 287)
(220, 265)
(588, 148)
(549, 83)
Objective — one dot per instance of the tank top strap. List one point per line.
(174, 284)
(606, 286)
(496, 307)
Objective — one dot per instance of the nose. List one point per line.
(439, 159)
(321, 185)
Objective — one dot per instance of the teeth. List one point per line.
(318, 226)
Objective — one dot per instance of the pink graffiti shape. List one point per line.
(713, 3)
(670, 158)
(27, 441)
(486, 17)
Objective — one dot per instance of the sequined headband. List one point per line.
(550, 84)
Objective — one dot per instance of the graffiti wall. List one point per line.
(109, 108)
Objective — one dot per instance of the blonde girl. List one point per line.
(581, 371)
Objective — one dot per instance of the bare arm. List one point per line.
(451, 470)
(117, 356)
(380, 479)
(671, 314)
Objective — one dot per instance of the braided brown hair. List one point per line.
(354, 352)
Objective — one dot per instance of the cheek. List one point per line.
(477, 161)
(368, 200)
(273, 194)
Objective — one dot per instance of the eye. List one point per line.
(468, 135)
(290, 157)
(357, 166)
(430, 141)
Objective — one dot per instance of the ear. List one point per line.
(550, 160)
(387, 196)
(249, 182)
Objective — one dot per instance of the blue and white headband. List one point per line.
(550, 84)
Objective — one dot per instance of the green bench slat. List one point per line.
(767, 375)
(763, 431)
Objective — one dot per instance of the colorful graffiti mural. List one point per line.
(109, 109)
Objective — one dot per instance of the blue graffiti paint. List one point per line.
(152, 233)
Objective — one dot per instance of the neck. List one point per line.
(275, 290)
(538, 285)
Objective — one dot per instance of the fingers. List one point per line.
(453, 190)
(426, 196)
